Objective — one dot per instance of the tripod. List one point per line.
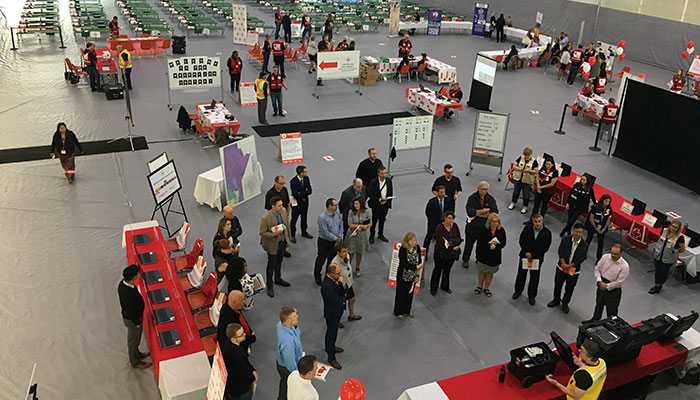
(128, 117)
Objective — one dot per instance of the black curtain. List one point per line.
(660, 132)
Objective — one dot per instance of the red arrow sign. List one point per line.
(325, 65)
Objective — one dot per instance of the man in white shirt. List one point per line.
(610, 274)
(299, 385)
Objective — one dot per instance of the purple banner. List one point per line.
(434, 22)
(479, 23)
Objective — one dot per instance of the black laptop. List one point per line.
(147, 258)
(152, 277)
(169, 338)
(565, 169)
(211, 106)
(141, 239)
(694, 238)
(158, 296)
(639, 206)
(164, 314)
(661, 219)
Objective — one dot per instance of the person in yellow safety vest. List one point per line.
(262, 90)
(587, 381)
(125, 64)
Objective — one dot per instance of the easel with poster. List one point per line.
(694, 75)
(489, 143)
(194, 73)
(394, 267)
(412, 133)
(246, 94)
(165, 185)
(290, 150)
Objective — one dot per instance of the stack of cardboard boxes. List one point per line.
(368, 74)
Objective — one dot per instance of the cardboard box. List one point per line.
(367, 82)
(355, 81)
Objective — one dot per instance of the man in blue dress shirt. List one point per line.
(301, 189)
(289, 350)
(330, 232)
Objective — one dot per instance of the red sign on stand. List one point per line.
(290, 149)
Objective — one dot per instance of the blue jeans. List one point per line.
(606, 130)
(306, 34)
(661, 272)
(276, 102)
(266, 61)
(525, 188)
(277, 30)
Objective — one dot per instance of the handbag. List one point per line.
(450, 254)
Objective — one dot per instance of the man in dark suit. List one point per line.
(231, 313)
(132, 315)
(333, 293)
(240, 373)
(379, 196)
(347, 196)
(434, 211)
(535, 240)
(367, 169)
(287, 25)
(479, 205)
(301, 189)
(573, 251)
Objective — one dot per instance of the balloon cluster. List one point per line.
(621, 50)
(689, 50)
(352, 389)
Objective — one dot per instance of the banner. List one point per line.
(394, 18)
(394, 267)
(434, 22)
(217, 379)
(338, 64)
(246, 94)
(290, 149)
(243, 175)
(479, 22)
(694, 69)
(239, 17)
(194, 72)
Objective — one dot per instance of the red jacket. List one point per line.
(307, 20)
(677, 84)
(277, 48)
(586, 91)
(600, 85)
(114, 27)
(275, 81)
(235, 65)
(405, 46)
(266, 46)
(610, 113)
(576, 56)
(342, 46)
(278, 18)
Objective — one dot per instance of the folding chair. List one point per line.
(419, 71)
(146, 45)
(187, 262)
(204, 297)
(193, 280)
(179, 242)
(166, 45)
(207, 320)
(404, 71)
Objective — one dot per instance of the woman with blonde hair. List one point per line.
(665, 252)
(407, 275)
(489, 243)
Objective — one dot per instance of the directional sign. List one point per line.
(338, 64)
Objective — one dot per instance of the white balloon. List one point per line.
(691, 50)
(586, 67)
(619, 50)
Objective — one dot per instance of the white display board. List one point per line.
(291, 150)
(338, 64)
(194, 72)
(485, 69)
(217, 379)
(412, 132)
(490, 131)
(239, 17)
(157, 162)
(246, 94)
(243, 175)
(394, 266)
(252, 38)
(694, 69)
(164, 182)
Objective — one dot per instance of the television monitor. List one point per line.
(661, 219)
(485, 70)
(565, 169)
(639, 206)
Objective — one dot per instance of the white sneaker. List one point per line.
(523, 211)
(511, 206)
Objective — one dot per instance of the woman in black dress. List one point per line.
(579, 202)
(64, 144)
(407, 275)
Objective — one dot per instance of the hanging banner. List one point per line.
(246, 94)
(394, 18)
(243, 175)
(217, 379)
(290, 149)
(394, 267)
(434, 22)
(239, 18)
(479, 22)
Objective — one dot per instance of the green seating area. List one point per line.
(39, 14)
(143, 19)
(89, 19)
(192, 19)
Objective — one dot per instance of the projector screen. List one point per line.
(485, 70)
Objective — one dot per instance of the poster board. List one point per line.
(217, 379)
(538, 17)
(394, 18)
(157, 162)
(290, 148)
(243, 175)
(164, 182)
(252, 38)
(246, 94)
(412, 132)
(694, 69)
(194, 72)
(338, 64)
(239, 18)
(394, 266)
(485, 69)
(480, 19)
(434, 22)
(490, 130)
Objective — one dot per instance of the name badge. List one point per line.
(63, 152)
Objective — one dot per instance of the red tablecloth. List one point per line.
(105, 62)
(483, 384)
(619, 218)
(184, 322)
(156, 45)
(429, 102)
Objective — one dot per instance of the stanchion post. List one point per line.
(60, 35)
(597, 136)
(560, 131)
(612, 138)
(12, 34)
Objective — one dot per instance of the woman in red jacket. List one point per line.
(677, 81)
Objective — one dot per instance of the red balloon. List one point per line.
(622, 56)
(691, 45)
(621, 43)
(591, 60)
(641, 75)
(352, 389)
(684, 54)
(585, 75)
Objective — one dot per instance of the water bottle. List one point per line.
(502, 374)
(685, 227)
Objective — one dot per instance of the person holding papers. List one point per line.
(489, 243)
(572, 253)
(357, 235)
(274, 238)
(535, 240)
(330, 233)
(598, 222)
(447, 242)
(407, 275)
(379, 194)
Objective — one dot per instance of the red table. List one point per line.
(429, 102)
(483, 384)
(184, 322)
(633, 223)
(105, 62)
(216, 119)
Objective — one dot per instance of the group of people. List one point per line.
(91, 63)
